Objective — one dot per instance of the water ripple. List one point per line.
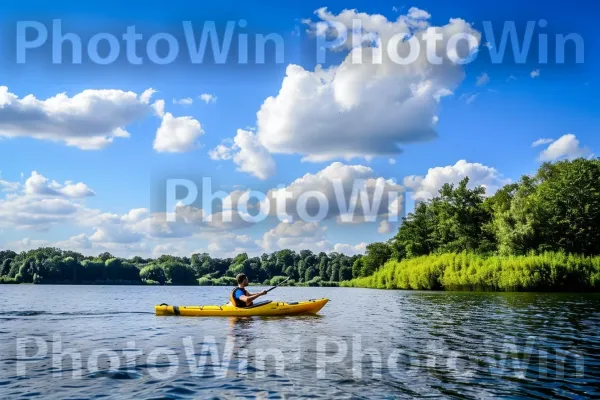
(381, 344)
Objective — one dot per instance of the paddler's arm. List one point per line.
(258, 294)
(250, 298)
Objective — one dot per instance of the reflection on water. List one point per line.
(82, 342)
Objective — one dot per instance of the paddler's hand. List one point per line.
(263, 292)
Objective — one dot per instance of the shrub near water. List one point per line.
(153, 273)
(466, 271)
(225, 281)
(276, 280)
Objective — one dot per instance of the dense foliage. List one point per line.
(558, 209)
(538, 233)
(52, 265)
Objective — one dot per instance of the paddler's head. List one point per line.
(242, 280)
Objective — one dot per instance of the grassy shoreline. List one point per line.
(471, 272)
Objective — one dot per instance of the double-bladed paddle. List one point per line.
(280, 283)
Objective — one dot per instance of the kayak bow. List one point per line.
(259, 309)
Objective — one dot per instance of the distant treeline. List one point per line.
(52, 265)
(541, 233)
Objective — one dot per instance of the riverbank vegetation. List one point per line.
(468, 271)
(540, 233)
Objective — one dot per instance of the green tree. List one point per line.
(27, 270)
(6, 254)
(5, 267)
(460, 216)
(120, 270)
(518, 228)
(285, 258)
(50, 270)
(415, 236)
(71, 268)
(93, 270)
(105, 256)
(240, 258)
(345, 273)
(310, 274)
(324, 268)
(454, 221)
(334, 271)
(568, 196)
(202, 264)
(376, 255)
(137, 260)
(179, 274)
(154, 273)
(357, 267)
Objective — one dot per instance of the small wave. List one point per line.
(26, 313)
(181, 391)
(118, 374)
(104, 313)
(34, 313)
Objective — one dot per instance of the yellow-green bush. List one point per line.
(467, 271)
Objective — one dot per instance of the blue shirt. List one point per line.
(238, 293)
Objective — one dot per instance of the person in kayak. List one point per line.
(240, 297)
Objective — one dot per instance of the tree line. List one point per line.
(53, 265)
(557, 209)
(554, 213)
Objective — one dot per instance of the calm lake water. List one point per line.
(364, 344)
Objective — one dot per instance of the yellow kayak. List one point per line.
(259, 309)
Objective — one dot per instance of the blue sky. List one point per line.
(491, 119)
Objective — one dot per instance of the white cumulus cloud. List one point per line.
(229, 244)
(385, 227)
(159, 108)
(38, 184)
(186, 101)
(222, 152)
(6, 186)
(428, 186)
(380, 193)
(366, 109)
(565, 147)
(40, 203)
(247, 153)
(541, 141)
(177, 134)
(89, 120)
(350, 250)
(208, 98)
(297, 236)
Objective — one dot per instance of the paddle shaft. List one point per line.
(280, 283)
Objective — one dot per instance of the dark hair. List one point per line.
(240, 278)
